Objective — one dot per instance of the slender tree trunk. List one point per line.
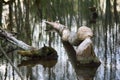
(115, 12)
(1, 2)
(27, 24)
(10, 15)
(19, 20)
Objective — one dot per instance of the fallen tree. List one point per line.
(29, 51)
(84, 53)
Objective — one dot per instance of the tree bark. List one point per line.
(82, 39)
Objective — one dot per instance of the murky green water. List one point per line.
(106, 43)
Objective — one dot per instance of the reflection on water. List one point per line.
(63, 69)
(32, 62)
(106, 44)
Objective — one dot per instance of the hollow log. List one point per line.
(82, 39)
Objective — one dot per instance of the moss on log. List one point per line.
(29, 51)
(44, 52)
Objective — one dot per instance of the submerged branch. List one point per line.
(4, 53)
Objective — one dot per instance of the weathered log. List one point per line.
(82, 38)
(29, 51)
(42, 53)
(8, 36)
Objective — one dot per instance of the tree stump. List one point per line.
(82, 39)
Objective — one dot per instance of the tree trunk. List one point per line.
(1, 6)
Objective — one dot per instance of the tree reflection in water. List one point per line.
(72, 13)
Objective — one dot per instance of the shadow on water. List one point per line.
(101, 15)
(83, 71)
(33, 62)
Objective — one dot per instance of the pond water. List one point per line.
(106, 45)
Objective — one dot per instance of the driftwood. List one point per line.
(9, 37)
(84, 54)
(29, 51)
